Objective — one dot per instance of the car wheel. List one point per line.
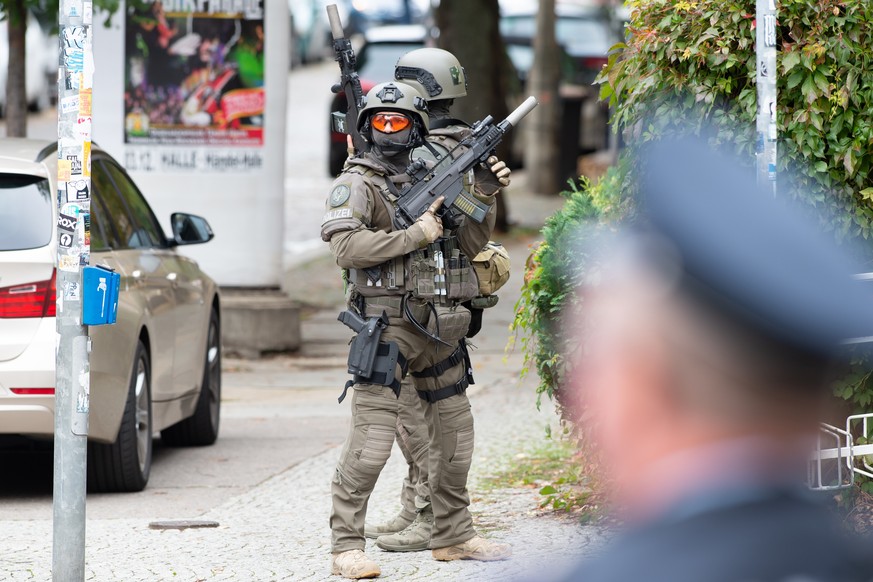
(202, 428)
(125, 465)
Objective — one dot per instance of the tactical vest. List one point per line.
(440, 272)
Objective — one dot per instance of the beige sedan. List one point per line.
(158, 369)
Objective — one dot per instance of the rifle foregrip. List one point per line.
(336, 25)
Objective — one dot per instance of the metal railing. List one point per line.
(835, 467)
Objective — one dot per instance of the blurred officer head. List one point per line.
(709, 340)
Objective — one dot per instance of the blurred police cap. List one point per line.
(754, 256)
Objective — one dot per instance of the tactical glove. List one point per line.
(491, 176)
(500, 170)
(430, 223)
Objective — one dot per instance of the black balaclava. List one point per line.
(392, 144)
(392, 148)
(440, 108)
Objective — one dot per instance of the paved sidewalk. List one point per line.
(279, 531)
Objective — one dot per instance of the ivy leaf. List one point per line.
(821, 82)
(795, 78)
(809, 90)
(867, 194)
(790, 60)
(548, 490)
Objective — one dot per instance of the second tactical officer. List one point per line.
(406, 286)
(438, 75)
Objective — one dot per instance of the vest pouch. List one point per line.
(492, 268)
(450, 324)
(422, 273)
(461, 281)
(383, 279)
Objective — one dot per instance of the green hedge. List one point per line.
(688, 65)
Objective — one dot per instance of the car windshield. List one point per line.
(377, 60)
(522, 56)
(578, 35)
(583, 35)
(25, 212)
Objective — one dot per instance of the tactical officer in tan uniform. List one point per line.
(438, 75)
(417, 278)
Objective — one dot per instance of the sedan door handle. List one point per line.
(171, 277)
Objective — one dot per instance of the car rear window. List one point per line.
(25, 212)
(577, 34)
(377, 60)
(584, 35)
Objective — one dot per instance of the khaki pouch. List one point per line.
(453, 323)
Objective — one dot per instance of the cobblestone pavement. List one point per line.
(278, 530)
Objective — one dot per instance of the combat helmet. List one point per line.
(436, 73)
(394, 96)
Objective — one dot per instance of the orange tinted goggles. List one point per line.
(390, 122)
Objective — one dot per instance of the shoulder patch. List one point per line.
(340, 195)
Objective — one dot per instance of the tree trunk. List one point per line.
(541, 154)
(16, 91)
(470, 31)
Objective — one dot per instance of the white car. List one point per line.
(157, 369)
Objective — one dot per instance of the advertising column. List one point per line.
(196, 113)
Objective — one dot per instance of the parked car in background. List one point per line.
(521, 52)
(158, 369)
(585, 30)
(41, 64)
(382, 48)
(365, 14)
(310, 31)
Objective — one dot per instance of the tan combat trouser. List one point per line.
(375, 413)
(412, 438)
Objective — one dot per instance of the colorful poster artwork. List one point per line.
(194, 73)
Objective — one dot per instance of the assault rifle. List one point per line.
(349, 81)
(430, 184)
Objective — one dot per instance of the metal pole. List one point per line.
(72, 372)
(765, 48)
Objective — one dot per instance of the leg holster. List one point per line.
(461, 354)
(372, 361)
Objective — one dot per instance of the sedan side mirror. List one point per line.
(189, 229)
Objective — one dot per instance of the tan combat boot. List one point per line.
(394, 525)
(477, 548)
(414, 538)
(354, 564)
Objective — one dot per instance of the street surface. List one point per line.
(266, 479)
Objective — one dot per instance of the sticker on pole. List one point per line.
(67, 223)
(77, 191)
(81, 389)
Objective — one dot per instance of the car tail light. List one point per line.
(594, 62)
(29, 300)
(33, 391)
